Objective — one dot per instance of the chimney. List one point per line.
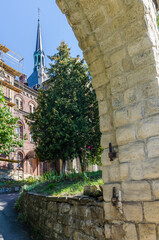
(23, 78)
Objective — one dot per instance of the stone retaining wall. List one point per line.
(64, 218)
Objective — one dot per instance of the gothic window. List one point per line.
(17, 103)
(39, 59)
(20, 159)
(31, 108)
(43, 61)
(35, 59)
(21, 105)
(19, 130)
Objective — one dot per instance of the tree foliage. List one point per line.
(8, 138)
(66, 120)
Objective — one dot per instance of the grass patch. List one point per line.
(65, 185)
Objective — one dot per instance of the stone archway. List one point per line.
(119, 39)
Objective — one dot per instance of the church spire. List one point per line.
(39, 39)
(39, 55)
(38, 76)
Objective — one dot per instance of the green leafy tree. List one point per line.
(8, 138)
(66, 120)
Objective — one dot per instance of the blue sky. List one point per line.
(18, 24)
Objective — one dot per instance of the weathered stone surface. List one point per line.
(64, 218)
(155, 189)
(136, 170)
(133, 212)
(107, 229)
(151, 169)
(153, 147)
(130, 231)
(151, 212)
(132, 152)
(118, 232)
(132, 191)
(147, 231)
(111, 213)
(125, 135)
(148, 128)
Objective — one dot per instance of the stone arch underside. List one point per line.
(119, 39)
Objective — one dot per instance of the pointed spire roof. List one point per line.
(39, 39)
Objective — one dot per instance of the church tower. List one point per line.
(38, 76)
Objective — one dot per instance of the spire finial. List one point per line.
(38, 13)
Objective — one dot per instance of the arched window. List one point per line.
(20, 159)
(19, 130)
(31, 108)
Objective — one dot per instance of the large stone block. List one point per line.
(118, 100)
(148, 127)
(103, 107)
(131, 191)
(105, 174)
(130, 231)
(118, 84)
(133, 212)
(114, 173)
(152, 106)
(118, 232)
(111, 213)
(151, 168)
(142, 43)
(105, 123)
(100, 80)
(155, 189)
(132, 152)
(153, 147)
(136, 170)
(121, 117)
(147, 231)
(151, 212)
(124, 171)
(125, 134)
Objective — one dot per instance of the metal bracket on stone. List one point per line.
(115, 198)
(112, 153)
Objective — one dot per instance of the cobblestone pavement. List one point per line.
(10, 228)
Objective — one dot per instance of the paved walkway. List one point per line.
(10, 228)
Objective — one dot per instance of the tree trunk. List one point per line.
(81, 162)
(63, 166)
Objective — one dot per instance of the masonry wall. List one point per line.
(119, 39)
(64, 218)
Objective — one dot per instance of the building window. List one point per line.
(20, 159)
(19, 103)
(19, 130)
(32, 108)
(31, 138)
